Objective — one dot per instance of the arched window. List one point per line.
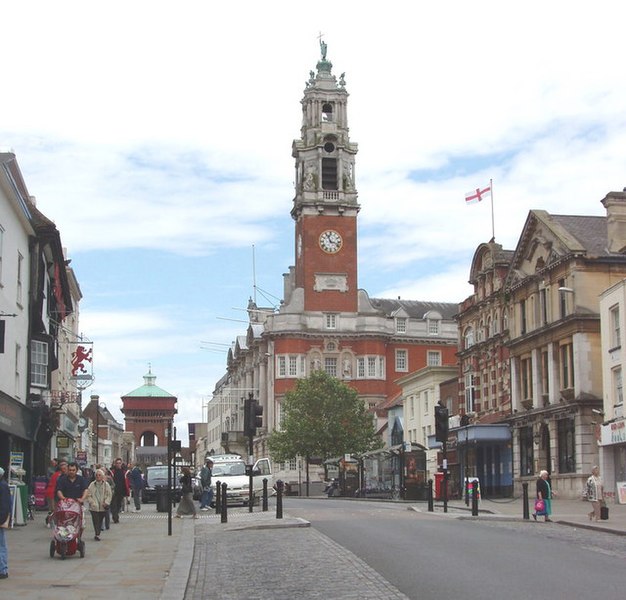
(468, 338)
(327, 112)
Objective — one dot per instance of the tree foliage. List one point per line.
(325, 418)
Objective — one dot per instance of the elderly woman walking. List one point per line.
(545, 493)
(595, 493)
(99, 498)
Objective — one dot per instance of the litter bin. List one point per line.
(161, 499)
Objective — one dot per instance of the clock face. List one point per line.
(330, 241)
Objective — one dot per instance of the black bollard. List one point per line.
(218, 498)
(224, 503)
(526, 513)
(431, 505)
(264, 495)
(474, 498)
(279, 499)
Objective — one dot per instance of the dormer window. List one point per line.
(327, 112)
(401, 325)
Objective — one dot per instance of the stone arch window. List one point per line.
(327, 112)
(505, 320)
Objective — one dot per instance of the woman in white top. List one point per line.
(595, 493)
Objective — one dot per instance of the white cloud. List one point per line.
(169, 131)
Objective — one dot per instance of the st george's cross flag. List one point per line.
(478, 194)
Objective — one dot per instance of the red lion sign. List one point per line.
(79, 357)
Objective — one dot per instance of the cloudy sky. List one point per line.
(158, 138)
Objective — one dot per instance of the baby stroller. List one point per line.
(67, 529)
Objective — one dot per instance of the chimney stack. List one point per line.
(615, 204)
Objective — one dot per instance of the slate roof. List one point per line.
(416, 309)
(590, 231)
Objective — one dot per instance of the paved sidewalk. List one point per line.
(565, 512)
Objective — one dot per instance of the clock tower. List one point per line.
(325, 205)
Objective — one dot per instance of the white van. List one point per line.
(231, 470)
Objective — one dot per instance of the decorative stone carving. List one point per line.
(331, 281)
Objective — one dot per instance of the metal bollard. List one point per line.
(224, 503)
(264, 495)
(431, 504)
(526, 512)
(218, 498)
(474, 498)
(279, 499)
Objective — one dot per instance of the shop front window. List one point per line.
(526, 450)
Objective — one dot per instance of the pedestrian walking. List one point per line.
(545, 493)
(99, 499)
(120, 492)
(5, 517)
(186, 505)
(72, 485)
(205, 481)
(51, 489)
(136, 485)
(595, 493)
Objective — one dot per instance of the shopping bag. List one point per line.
(540, 507)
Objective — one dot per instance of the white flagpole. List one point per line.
(493, 227)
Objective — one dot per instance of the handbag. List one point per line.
(540, 507)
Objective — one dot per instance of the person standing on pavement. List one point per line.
(595, 493)
(136, 485)
(100, 496)
(186, 505)
(5, 513)
(205, 481)
(120, 492)
(545, 493)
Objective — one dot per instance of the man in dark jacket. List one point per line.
(120, 492)
(135, 478)
(205, 480)
(5, 511)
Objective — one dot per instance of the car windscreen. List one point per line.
(228, 469)
(157, 476)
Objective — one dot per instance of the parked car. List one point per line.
(231, 470)
(156, 477)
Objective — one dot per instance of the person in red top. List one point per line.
(50, 489)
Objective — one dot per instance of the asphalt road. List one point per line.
(434, 556)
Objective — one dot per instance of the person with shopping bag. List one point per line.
(545, 493)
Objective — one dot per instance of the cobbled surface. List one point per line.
(292, 563)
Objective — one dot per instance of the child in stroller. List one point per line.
(68, 528)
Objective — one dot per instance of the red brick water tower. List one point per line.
(148, 411)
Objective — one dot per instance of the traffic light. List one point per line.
(252, 417)
(441, 423)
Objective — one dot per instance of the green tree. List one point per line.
(324, 418)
